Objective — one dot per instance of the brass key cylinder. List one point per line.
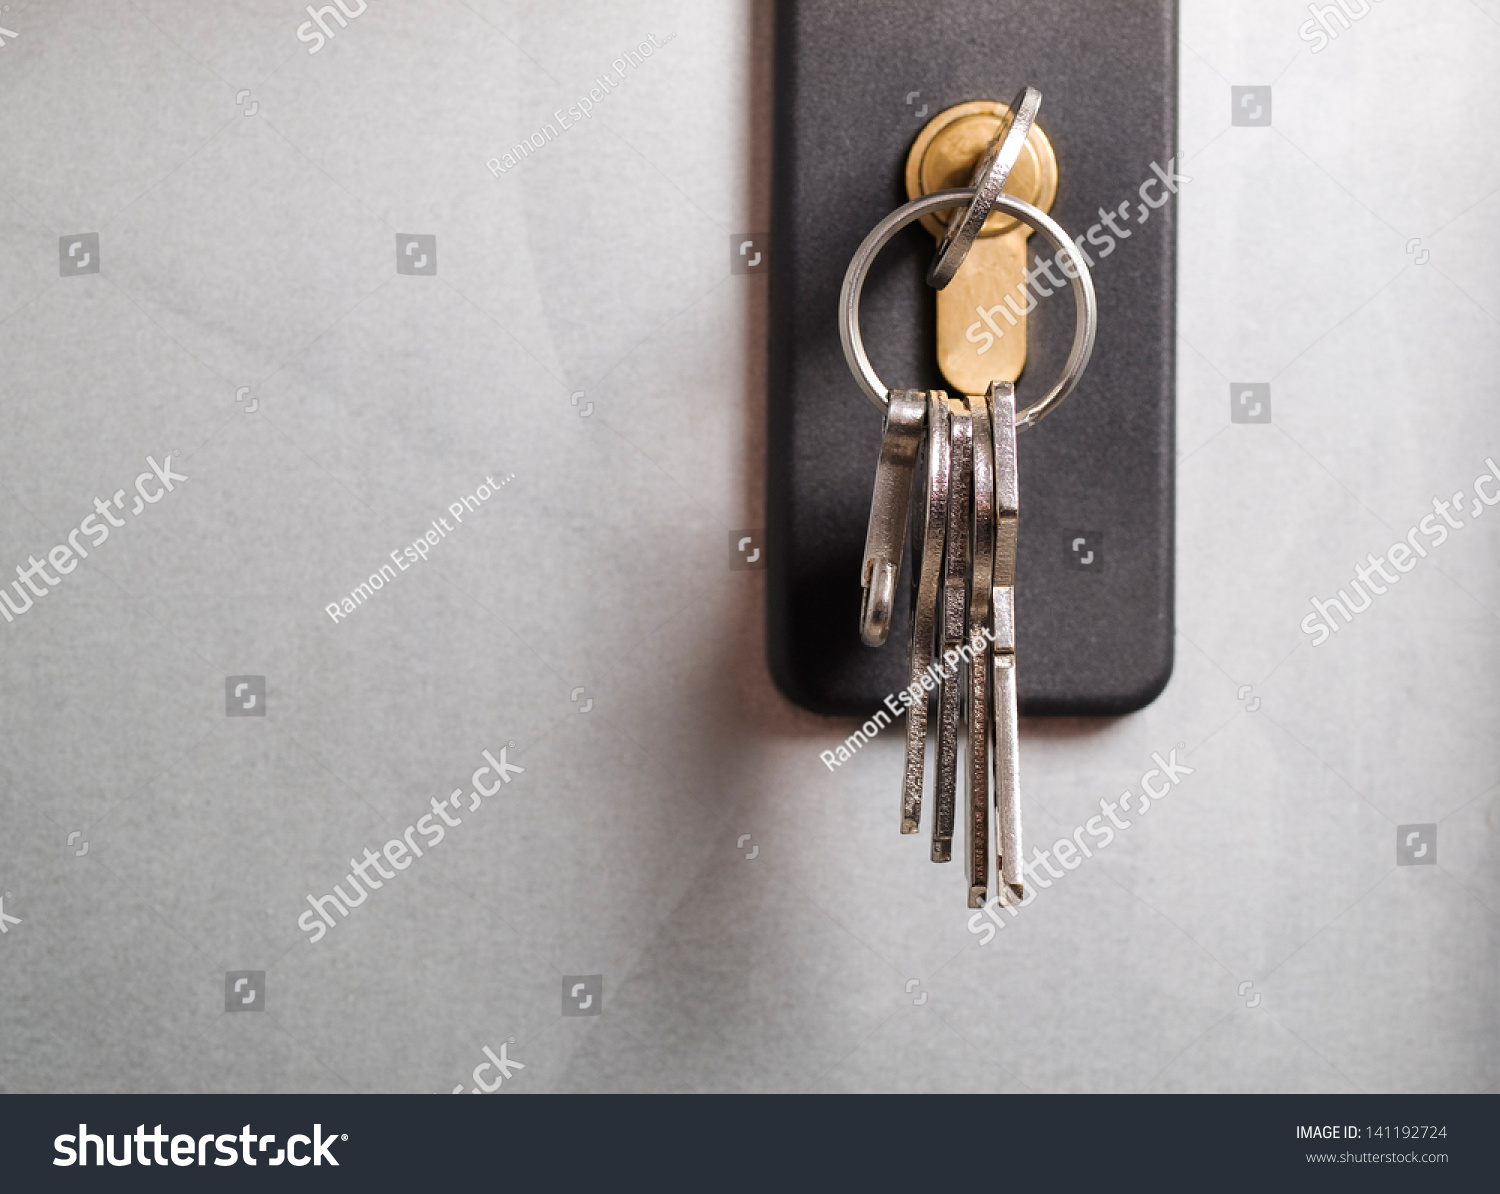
(981, 313)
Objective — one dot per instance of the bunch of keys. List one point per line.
(957, 458)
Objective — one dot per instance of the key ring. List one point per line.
(988, 181)
(1086, 304)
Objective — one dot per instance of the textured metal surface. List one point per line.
(953, 609)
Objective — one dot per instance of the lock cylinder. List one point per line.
(981, 313)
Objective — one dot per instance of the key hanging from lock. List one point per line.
(964, 523)
(983, 297)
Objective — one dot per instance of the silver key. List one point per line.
(890, 509)
(929, 523)
(981, 577)
(1002, 398)
(952, 625)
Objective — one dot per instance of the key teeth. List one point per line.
(976, 897)
(909, 826)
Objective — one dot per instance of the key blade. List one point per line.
(1007, 778)
(1002, 396)
(1007, 766)
(929, 527)
(981, 571)
(953, 625)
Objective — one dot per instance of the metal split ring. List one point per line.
(1085, 303)
(988, 181)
